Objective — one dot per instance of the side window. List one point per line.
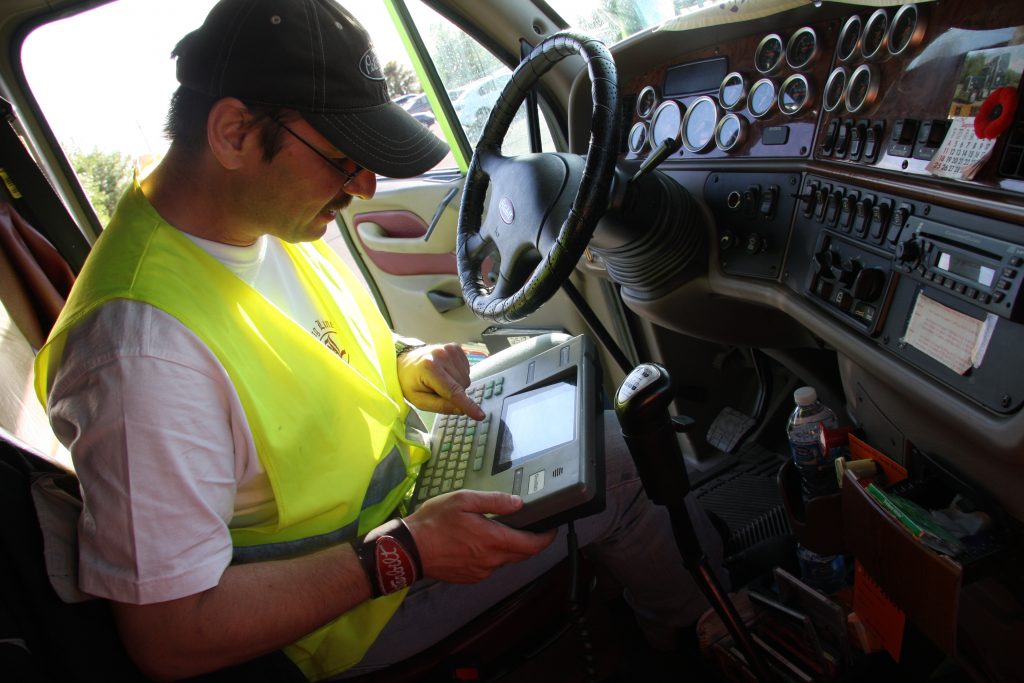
(473, 78)
(107, 110)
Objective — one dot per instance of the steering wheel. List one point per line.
(542, 208)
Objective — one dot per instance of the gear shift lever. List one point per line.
(641, 404)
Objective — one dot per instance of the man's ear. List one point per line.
(230, 134)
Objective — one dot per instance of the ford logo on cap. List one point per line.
(506, 210)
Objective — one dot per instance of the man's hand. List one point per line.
(435, 378)
(458, 544)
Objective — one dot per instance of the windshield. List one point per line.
(613, 20)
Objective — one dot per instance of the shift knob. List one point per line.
(641, 404)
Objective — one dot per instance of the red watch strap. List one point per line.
(390, 558)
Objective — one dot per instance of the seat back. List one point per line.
(41, 637)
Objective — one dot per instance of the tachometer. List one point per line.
(638, 137)
(732, 94)
(907, 30)
(646, 101)
(835, 89)
(863, 89)
(768, 55)
(849, 39)
(699, 124)
(665, 123)
(794, 95)
(730, 132)
(802, 48)
(875, 35)
(761, 99)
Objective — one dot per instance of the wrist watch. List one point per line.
(406, 344)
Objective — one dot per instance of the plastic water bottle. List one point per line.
(804, 431)
(826, 573)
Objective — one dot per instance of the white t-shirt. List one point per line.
(160, 441)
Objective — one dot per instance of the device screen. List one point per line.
(535, 421)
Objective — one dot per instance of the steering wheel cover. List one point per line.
(591, 198)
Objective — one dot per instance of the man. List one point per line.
(234, 403)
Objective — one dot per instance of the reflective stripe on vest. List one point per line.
(326, 431)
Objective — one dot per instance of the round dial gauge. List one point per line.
(802, 48)
(863, 89)
(699, 124)
(730, 132)
(907, 30)
(768, 55)
(794, 95)
(875, 35)
(733, 92)
(762, 97)
(638, 137)
(849, 39)
(835, 89)
(665, 124)
(646, 101)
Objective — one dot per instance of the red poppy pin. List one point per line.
(996, 113)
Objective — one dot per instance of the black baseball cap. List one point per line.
(314, 57)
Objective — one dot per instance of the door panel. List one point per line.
(410, 257)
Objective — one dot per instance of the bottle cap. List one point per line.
(805, 396)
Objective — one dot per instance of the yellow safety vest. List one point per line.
(331, 435)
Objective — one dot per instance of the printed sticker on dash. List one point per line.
(957, 340)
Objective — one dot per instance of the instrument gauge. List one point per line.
(730, 132)
(646, 101)
(761, 99)
(768, 55)
(665, 122)
(732, 94)
(849, 39)
(907, 30)
(699, 124)
(802, 48)
(876, 32)
(862, 91)
(835, 89)
(794, 95)
(638, 137)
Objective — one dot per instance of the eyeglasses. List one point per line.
(336, 163)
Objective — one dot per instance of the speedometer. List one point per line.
(802, 48)
(768, 55)
(699, 124)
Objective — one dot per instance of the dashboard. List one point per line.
(850, 205)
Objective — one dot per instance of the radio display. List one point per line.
(957, 265)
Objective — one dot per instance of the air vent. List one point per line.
(557, 471)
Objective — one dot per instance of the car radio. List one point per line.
(977, 268)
